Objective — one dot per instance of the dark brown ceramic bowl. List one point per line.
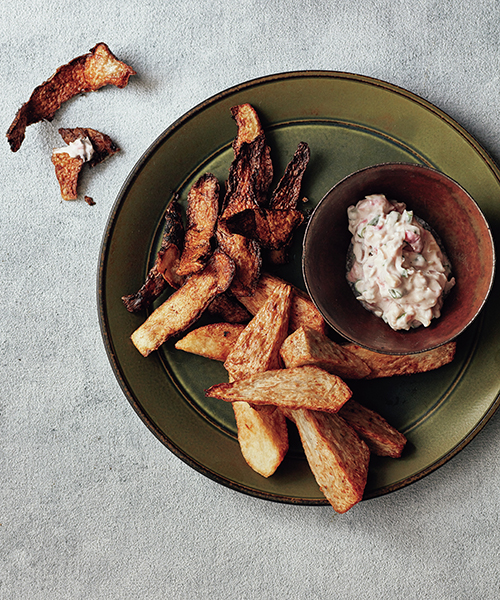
(450, 212)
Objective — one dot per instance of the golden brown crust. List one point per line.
(214, 341)
(338, 458)
(103, 145)
(83, 74)
(299, 387)
(306, 346)
(302, 312)
(388, 365)
(379, 436)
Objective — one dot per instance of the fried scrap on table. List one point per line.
(185, 305)
(338, 458)
(306, 346)
(67, 172)
(103, 145)
(164, 271)
(302, 312)
(83, 74)
(298, 387)
(214, 341)
(202, 213)
(390, 365)
(380, 437)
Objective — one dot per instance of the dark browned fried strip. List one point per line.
(83, 74)
(164, 271)
(202, 213)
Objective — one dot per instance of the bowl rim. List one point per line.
(418, 167)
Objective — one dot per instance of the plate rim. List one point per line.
(110, 226)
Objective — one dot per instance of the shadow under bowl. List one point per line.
(451, 213)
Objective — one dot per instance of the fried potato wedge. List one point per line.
(258, 347)
(202, 213)
(306, 346)
(185, 305)
(103, 145)
(302, 312)
(214, 341)
(380, 437)
(83, 74)
(67, 172)
(262, 436)
(228, 309)
(299, 387)
(272, 228)
(389, 365)
(338, 458)
(164, 271)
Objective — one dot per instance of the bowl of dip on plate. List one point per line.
(398, 258)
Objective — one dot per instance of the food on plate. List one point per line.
(202, 212)
(164, 270)
(257, 349)
(380, 437)
(397, 268)
(306, 346)
(302, 312)
(338, 458)
(84, 145)
(390, 365)
(228, 309)
(214, 341)
(262, 436)
(287, 193)
(83, 74)
(185, 305)
(262, 430)
(271, 228)
(298, 387)
(273, 342)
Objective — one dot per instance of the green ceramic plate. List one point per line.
(349, 122)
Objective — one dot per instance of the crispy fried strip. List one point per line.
(103, 145)
(287, 193)
(214, 341)
(299, 387)
(272, 228)
(164, 271)
(388, 365)
(185, 305)
(338, 458)
(202, 213)
(306, 346)
(83, 74)
(303, 311)
(380, 437)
